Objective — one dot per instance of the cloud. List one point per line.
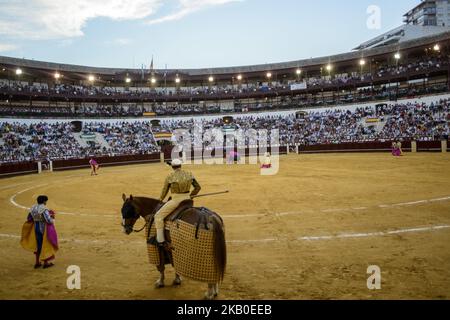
(119, 42)
(59, 19)
(7, 47)
(187, 7)
(65, 19)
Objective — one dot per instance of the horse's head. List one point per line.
(129, 214)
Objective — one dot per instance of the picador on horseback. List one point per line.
(191, 239)
(179, 183)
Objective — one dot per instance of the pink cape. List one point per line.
(52, 236)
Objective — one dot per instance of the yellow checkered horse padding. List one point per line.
(153, 254)
(192, 258)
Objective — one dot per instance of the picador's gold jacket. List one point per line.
(180, 181)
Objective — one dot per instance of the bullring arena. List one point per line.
(349, 197)
(309, 232)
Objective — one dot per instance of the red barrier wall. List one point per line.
(31, 167)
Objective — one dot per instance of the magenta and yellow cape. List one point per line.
(49, 242)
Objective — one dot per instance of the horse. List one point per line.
(135, 208)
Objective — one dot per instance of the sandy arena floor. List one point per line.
(309, 232)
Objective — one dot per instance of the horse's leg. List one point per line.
(161, 268)
(209, 295)
(216, 290)
(177, 281)
(160, 282)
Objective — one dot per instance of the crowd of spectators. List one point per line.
(398, 121)
(88, 111)
(418, 121)
(425, 64)
(125, 138)
(323, 78)
(280, 103)
(55, 141)
(42, 141)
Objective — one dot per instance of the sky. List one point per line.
(190, 33)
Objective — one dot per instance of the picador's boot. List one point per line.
(159, 240)
(160, 236)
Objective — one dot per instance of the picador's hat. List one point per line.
(176, 163)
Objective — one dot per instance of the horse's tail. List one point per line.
(220, 247)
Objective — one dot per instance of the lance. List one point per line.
(210, 194)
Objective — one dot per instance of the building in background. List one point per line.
(427, 19)
(429, 13)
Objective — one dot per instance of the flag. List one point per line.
(165, 79)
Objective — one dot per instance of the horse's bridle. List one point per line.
(135, 217)
(145, 226)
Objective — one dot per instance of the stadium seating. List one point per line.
(425, 121)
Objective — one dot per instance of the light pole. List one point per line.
(397, 58)
(362, 63)
(269, 77)
(177, 82)
(211, 82)
(19, 72)
(239, 78)
(298, 72)
(329, 68)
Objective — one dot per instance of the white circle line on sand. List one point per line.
(13, 197)
(256, 241)
(13, 185)
(12, 200)
(348, 235)
(254, 215)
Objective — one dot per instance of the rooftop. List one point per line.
(402, 34)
